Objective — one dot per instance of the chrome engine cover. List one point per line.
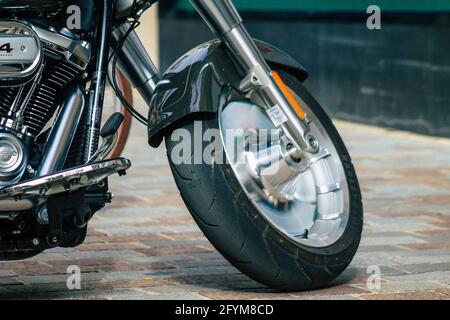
(21, 53)
(36, 67)
(13, 159)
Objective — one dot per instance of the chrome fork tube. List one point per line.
(220, 15)
(224, 20)
(136, 63)
(61, 136)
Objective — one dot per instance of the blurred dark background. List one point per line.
(396, 77)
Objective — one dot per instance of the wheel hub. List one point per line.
(305, 198)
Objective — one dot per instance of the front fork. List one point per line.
(224, 20)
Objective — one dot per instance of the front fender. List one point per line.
(193, 84)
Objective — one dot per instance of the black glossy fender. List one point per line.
(194, 83)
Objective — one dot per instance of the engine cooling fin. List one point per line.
(7, 96)
(47, 96)
(77, 154)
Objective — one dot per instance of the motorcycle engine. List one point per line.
(37, 65)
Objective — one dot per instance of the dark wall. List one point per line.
(396, 77)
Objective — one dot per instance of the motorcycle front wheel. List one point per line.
(297, 229)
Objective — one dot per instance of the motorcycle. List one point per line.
(284, 208)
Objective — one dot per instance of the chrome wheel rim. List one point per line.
(308, 201)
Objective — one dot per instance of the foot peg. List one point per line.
(109, 137)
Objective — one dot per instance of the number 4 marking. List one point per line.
(6, 47)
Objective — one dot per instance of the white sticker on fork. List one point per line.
(276, 115)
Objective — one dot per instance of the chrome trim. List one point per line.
(330, 216)
(293, 196)
(221, 16)
(14, 158)
(327, 189)
(61, 137)
(26, 31)
(77, 52)
(65, 181)
(248, 55)
(322, 154)
(105, 148)
(224, 20)
(136, 63)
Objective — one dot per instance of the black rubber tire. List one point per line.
(245, 238)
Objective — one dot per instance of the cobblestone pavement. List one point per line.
(146, 246)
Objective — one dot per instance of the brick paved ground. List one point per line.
(146, 246)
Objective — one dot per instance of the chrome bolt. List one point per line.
(30, 169)
(36, 241)
(313, 142)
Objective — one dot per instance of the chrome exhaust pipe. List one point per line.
(61, 136)
(56, 149)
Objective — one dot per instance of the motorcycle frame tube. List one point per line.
(98, 83)
(224, 20)
(62, 134)
(136, 63)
